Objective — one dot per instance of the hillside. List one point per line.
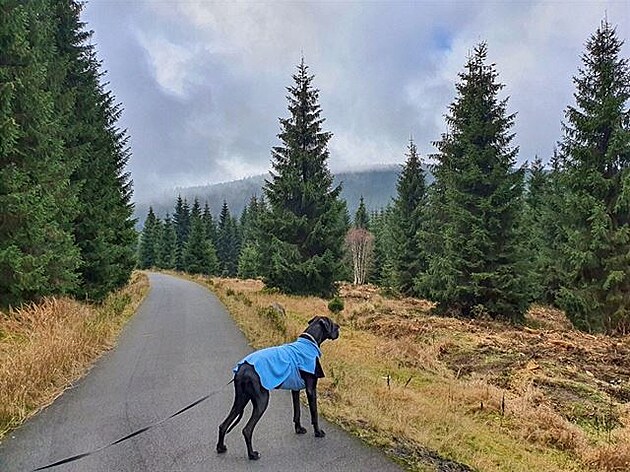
(378, 187)
(440, 393)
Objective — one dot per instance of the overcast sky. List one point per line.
(203, 83)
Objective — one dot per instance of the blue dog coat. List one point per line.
(280, 366)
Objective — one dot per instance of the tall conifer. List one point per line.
(251, 231)
(209, 224)
(384, 266)
(166, 245)
(306, 218)
(181, 222)
(595, 183)
(249, 259)
(535, 228)
(410, 260)
(361, 218)
(195, 211)
(227, 242)
(149, 242)
(475, 266)
(199, 254)
(104, 227)
(37, 200)
(77, 234)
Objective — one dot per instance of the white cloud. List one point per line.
(537, 48)
(252, 35)
(385, 71)
(170, 62)
(350, 150)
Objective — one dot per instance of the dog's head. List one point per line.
(322, 328)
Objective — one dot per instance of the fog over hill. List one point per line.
(377, 186)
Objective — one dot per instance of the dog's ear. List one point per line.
(332, 328)
(313, 319)
(328, 325)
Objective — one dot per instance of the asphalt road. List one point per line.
(180, 346)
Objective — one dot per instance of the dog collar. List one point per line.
(310, 337)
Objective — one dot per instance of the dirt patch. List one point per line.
(543, 317)
(586, 378)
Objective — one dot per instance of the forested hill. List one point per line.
(378, 187)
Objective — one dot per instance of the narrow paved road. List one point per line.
(180, 346)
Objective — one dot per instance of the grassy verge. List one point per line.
(45, 347)
(429, 390)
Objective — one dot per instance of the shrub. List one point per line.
(336, 305)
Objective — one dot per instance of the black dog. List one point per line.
(292, 366)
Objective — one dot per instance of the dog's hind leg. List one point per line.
(234, 416)
(260, 403)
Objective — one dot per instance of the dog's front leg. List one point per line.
(311, 395)
(295, 394)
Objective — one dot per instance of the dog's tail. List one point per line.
(235, 422)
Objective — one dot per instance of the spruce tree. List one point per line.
(181, 222)
(250, 222)
(181, 219)
(384, 265)
(541, 230)
(72, 157)
(305, 223)
(249, 262)
(199, 254)
(475, 265)
(104, 227)
(149, 242)
(227, 242)
(410, 260)
(361, 218)
(166, 245)
(37, 201)
(550, 268)
(195, 211)
(595, 183)
(209, 225)
(534, 228)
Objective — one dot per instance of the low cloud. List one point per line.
(203, 84)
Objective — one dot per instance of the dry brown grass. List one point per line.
(611, 457)
(45, 347)
(486, 394)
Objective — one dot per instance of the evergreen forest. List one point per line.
(469, 228)
(66, 223)
(483, 238)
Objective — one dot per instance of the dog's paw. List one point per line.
(320, 433)
(300, 430)
(221, 448)
(254, 456)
